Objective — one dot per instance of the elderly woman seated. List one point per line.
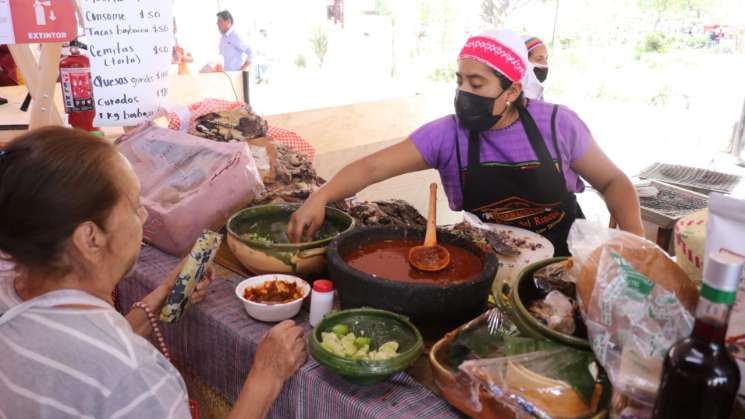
(71, 222)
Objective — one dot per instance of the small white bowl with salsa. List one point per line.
(272, 297)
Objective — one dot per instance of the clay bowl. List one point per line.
(457, 391)
(260, 257)
(425, 303)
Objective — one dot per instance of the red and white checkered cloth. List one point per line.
(206, 106)
(292, 140)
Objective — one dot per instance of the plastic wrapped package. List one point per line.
(553, 383)
(636, 303)
(188, 184)
(191, 273)
(479, 340)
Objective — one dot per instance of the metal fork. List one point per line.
(494, 320)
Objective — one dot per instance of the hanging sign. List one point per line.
(35, 21)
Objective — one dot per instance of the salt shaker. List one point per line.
(321, 300)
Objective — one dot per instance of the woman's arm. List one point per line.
(279, 354)
(615, 187)
(392, 161)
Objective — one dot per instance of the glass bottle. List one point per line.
(700, 378)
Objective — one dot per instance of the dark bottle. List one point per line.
(700, 378)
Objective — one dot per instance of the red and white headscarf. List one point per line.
(502, 50)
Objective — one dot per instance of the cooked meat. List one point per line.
(393, 212)
(236, 124)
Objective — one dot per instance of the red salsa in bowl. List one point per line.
(389, 259)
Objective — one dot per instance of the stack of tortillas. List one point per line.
(645, 258)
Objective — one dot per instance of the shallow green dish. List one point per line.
(381, 326)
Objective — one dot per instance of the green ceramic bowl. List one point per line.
(260, 257)
(381, 326)
(522, 292)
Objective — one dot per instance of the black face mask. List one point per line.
(474, 111)
(541, 73)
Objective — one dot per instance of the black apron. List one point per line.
(532, 196)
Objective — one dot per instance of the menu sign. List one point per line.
(129, 45)
(34, 21)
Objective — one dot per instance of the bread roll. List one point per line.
(647, 259)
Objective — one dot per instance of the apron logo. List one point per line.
(522, 213)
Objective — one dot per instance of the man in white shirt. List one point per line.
(236, 53)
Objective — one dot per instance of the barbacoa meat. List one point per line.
(294, 177)
(394, 212)
(236, 124)
(486, 240)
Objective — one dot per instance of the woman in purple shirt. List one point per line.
(507, 159)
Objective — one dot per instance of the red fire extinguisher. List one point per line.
(77, 91)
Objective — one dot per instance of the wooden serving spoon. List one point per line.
(430, 257)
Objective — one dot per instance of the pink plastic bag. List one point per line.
(188, 184)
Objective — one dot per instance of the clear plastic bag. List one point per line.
(553, 383)
(482, 339)
(636, 303)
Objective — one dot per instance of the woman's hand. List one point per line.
(157, 298)
(391, 161)
(307, 219)
(281, 352)
(200, 292)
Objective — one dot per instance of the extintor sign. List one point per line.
(35, 21)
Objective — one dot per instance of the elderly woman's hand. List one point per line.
(200, 292)
(281, 352)
(157, 298)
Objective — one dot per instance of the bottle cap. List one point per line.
(722, 272)
(323, 285)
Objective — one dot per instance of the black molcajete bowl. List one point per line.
(424, 303)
